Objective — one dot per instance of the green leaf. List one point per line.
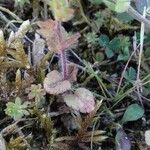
(115, 44)
(124, 17)
(130, 74)
(109, 4)
(109, 53)
(103, 40)
(16, 110)
(124, 55)
(118, 44)
(96, 2)
(146, 90)
(119, 6)
(91, 38)
(100, 56)
(99, 19)
(132, 113)
(122, 5)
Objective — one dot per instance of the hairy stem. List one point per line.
(62, 55)
(63, 62)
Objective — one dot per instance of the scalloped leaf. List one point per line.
(54, 83)
(82, 100)
(56, 36)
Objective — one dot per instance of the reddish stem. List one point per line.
(62, 55)
(63, 62)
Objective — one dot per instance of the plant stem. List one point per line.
(136, 15)
(62, 55)
(139, 89)
(63, 62)
(10, 13)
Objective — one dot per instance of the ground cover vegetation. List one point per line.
(74, 74)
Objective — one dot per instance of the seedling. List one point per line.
(16, 110)
(37, 93)
(58, 40)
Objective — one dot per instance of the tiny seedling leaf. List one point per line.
(130, 74)
(37, 92)
(16, 110)
(132, 113)
(91, 38)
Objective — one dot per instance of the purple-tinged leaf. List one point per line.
(122, 141)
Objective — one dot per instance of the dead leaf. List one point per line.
(2, 43)
(19, 35)
(17, 52)
(147, 137)
(69, 122)
(23, 29)
(38, 50)
(15, 46)
(2, 143)
(72, 71)
(18, 80)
